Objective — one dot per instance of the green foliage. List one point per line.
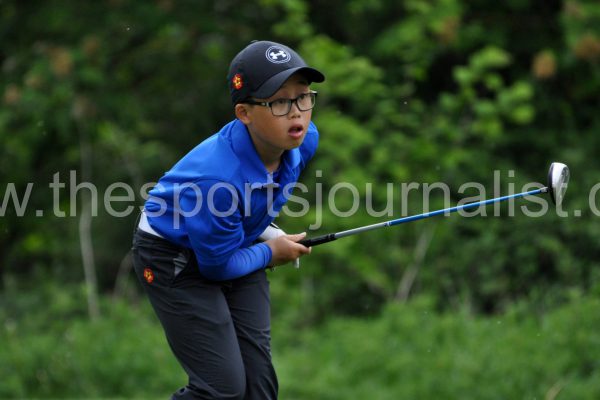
(408, 351)
(420, 91)
(425, 91)
(411, 352)
(51, 349)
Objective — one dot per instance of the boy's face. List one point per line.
(272, 135)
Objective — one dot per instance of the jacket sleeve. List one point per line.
(210, 210)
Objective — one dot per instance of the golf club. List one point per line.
(558, 179)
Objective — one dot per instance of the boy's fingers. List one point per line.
(296, 237)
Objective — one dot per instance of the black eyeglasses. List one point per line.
(281, 107)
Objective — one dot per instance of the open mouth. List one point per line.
(296, 131)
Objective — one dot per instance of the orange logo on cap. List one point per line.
(237, 82)
(149, 275)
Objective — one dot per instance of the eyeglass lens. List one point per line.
(305, 102)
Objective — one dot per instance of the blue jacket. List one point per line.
(219, 198)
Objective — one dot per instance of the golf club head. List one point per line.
(558, 180)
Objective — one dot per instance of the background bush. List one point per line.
(420, 91)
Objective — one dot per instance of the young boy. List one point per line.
(197, 251)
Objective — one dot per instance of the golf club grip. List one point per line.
(318, 240)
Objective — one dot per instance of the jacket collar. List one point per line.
(253, 168)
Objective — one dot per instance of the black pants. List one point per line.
(219, 331)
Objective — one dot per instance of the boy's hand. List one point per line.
(285, 248)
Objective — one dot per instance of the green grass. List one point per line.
(412, 353)
(407, 352)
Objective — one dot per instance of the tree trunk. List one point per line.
(413, 269)
(85, 230)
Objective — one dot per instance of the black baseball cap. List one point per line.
(262, 67)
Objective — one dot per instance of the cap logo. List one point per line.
(237, 82)
(278, 55)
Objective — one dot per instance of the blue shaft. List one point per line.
(431, 214)
(464, 207)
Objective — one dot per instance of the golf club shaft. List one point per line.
(333, 236)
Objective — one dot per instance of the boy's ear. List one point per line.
(242, 113)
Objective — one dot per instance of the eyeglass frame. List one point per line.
(269, 104)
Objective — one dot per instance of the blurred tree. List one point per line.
(418, 91)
